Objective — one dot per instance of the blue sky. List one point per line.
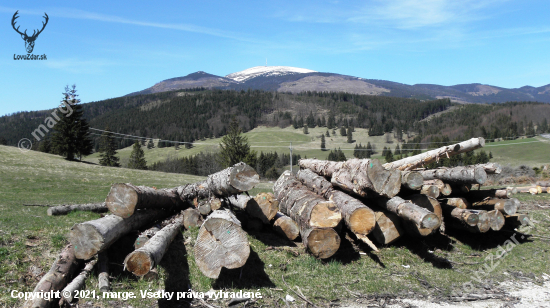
(111, 49)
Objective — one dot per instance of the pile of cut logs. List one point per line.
(540, 187)
(376, 202)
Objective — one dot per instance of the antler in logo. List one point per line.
(29, 40)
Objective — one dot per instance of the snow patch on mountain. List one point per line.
(266, 71)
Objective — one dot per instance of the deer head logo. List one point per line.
(29, 40)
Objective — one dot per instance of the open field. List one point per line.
(532, 151)
(431, 268)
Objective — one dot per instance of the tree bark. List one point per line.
(285, 226)
(66, 209)
(461, 203)
(91, 237)
(209, 205)
(410, 211)
(230, 181)
(322, 243)
(458, 215)
(362, 177)
(387, 229)
(147, 257)
(192, 218)
(305, 207)
(358, 217)
(411, 180)
(496, 220)
(103, 272)
(505, 206)
(221, 243)
(432, 205)
(56, 278)
(430, 191)
(78, 283)
(416, 161)
(145, 236)
(457, 175)
(124, 199)
(265, 210)
(489, 193)
(444, 188)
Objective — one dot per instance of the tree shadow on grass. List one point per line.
(488, 240)
(421, 246)
(348, 252)
(251, 276)
(176, 268)
(117, 253)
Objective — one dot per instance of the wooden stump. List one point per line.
(457, 175)
(358, 217)
(92, 237)
(192, 218)
(66, 209)
(416, 161)
(388, 228)
(221, 243)
(230, 181)
(124, 199)
(56, 278)
(147, 257)
(285, 226)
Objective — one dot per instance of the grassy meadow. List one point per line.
(434, 266)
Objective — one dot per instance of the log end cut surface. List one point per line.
(138, 262)
(325, 215)
(86, 241)
(362, 221)
(122, 200)
(323, 243)
(243, 177)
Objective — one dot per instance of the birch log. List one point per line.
(305, 207)
(410, 211)
(78, 283)
(505, 206)
(56, 278)
(358, 217)
(285, 226)
(221, 243)
(66, 209)
(416, 161)
(457, 175)
(430, 204)
(147, 257)
(91, 237)
(124, 199)
(362, 177)
(230, 181)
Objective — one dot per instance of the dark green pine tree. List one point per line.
(235, 147)
(388, 156)
(342, 131)
(107, 150)
(150, 144)
(137, 158)
(349, 134)
(369, 150)
(544, 126)
(305, 130)
(327, 134)
(71, 137)
(323, 146)
(45, 146)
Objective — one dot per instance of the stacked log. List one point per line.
(66, 209)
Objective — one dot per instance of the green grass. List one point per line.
(29, 238)
(530, 151)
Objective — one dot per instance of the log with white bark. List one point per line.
(56, 278)
(516, 220)
(444, 188)
(147, 257)
(491, 168)
(192, 218)
(66, 209)
(430, 191)
(496, 220)
(305, 207)
(103, 272)
(416, 161)
(460, 216)
(124, 199)
(264, 206)
(483, 225)
(411, 180)
(430, 204)
(91, 237)
(410, 211)
(78, 283)
(457, 175)
(230, 181)
(362, 177)
(221, 243)
(461, 203)
(489, 193)
(285, 226)
(505, 206)
(358, 217)
(387, 229)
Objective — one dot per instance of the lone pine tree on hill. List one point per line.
(235, 147)
(71, 136)
(137, 158)
(107, 150)
(323, 146)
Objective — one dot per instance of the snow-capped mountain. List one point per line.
(266, 71)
